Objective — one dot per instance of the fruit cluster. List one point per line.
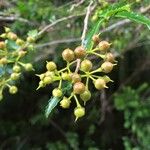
(12, 50)
(82, 74)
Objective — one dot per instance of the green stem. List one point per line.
(77, 102)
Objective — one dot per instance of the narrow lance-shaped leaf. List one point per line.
(134, 17)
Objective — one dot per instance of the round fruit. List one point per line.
(100, 84)
(66, 76)
(86, 95)
(28, 67)
(80, 52)
(57, 92)
(110, 57)
(3, 61)
(65, 102)
(13, 90)
(15, 76)
(19, 42)
(103, 46)
(79, 112)
(86, 65)
(50, 73)
(12, 36)
(30, 39)
(76, 77)
(51, 66)
(2, 45)
(96, 38)
(68, 55)
(107, 67)
(21, 53)
(47, 80)
(78, 88)
(16, 68)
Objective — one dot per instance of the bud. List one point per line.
(16, 68)
(86, 65)
(103, 46)
(65, 103)
(100, 84)
(76, 77)
(68, 55)
(47, 80)
(13, 89)
(85, 96)
(3, 61)
(78, 88)
(107, 67)
(80, 52)
(79, 112)
(12, 36)
(15, 76)
(51, 66)
(28, 67)
(57, 92)
(2, 45)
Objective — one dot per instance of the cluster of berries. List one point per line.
(12, 49)
(82, 74)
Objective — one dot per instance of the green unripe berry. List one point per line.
(66, 76)
(22, 53)
(76, 77)
(86, 95)
(78, 88)
(86, 65)
(68, 55)
(79, 112)
(47, 80)
(57, 92)
(19, 42)
(30, 39)
(65, 103)
(79, 52)
(3, 61)
(107, 67)
(51, 66)
(12, 36)
(50, 73)
(100, 84)
(13, 89)
(16, 68)
(28, 67)
(104, 46)
(15, 76)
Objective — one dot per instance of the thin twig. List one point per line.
(84, 32)
(76, 5)
(46, 28)
(86, 22)
(15, 18)
(58, 42)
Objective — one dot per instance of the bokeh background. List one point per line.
(116, 119)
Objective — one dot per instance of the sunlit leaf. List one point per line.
(134, 17)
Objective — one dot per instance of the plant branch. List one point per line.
(46, 28)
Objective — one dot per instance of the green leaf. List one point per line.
(33, 33)
(134, 17)
(88, 43)
(51, 105)
(11, 45)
